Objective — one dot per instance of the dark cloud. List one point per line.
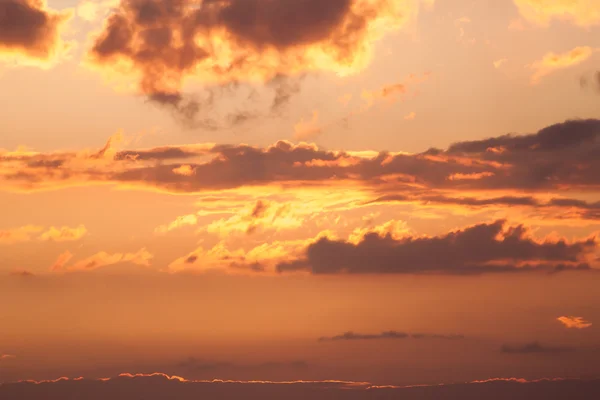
(533, 348)
(221, 42)
(484, 248)
(159, 386)
(386, 335)
(28, 28)
(560, 157)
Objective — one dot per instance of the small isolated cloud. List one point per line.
(533, 348)
(584, 13)
(184, 220)
(386, 335)
(307, 130)
(553, 62)
(499, 63)
(410, 116)
(574, 322)
(5, 357)
(31, 33)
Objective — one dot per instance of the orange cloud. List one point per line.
(64, 234)
(22, 234)
(541, 12)
(31, 33)
(99, 260)
(574, 322)
(553, 62)
(28, 233)
(307, 130)
(410, 116)
(161, 44)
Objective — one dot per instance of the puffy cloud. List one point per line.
(542, 12)
(99, 260)
(163, 43)
(574, 322)
(479, 249)
(533, 348)
(553, 62)
(386, 335)
(31, 33)
(160, 386)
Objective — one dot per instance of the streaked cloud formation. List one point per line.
(574, 322)
(553, 62)
(159, 386)
(534, 348)
(581, 12)
(31, 33)
(386, 335)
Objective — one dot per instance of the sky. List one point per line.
(398, 192)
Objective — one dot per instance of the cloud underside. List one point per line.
(505, 171)
(159, 386)
(30, 32)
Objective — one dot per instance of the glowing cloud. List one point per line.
(542, 12)
(574, 322)
(553, 62)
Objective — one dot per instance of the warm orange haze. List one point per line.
(265, 199)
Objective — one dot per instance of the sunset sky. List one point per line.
(399, 192)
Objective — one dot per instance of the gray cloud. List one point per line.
(386, 335)
(484, 248)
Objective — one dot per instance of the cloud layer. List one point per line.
(159, 386)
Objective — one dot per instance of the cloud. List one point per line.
(574, 322)
(21, 234)
(99, 260)
(410, 116)
(161, 386)
(386, 335)
(32, 232)
(558, 157)
(308, 130)
(553, 62)
(64, 234)
(533, 348)
(485, 248)
(31, 33)
(584, 13)
(93, 10)
(6, 357)
(499, 63)
(161, 43)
